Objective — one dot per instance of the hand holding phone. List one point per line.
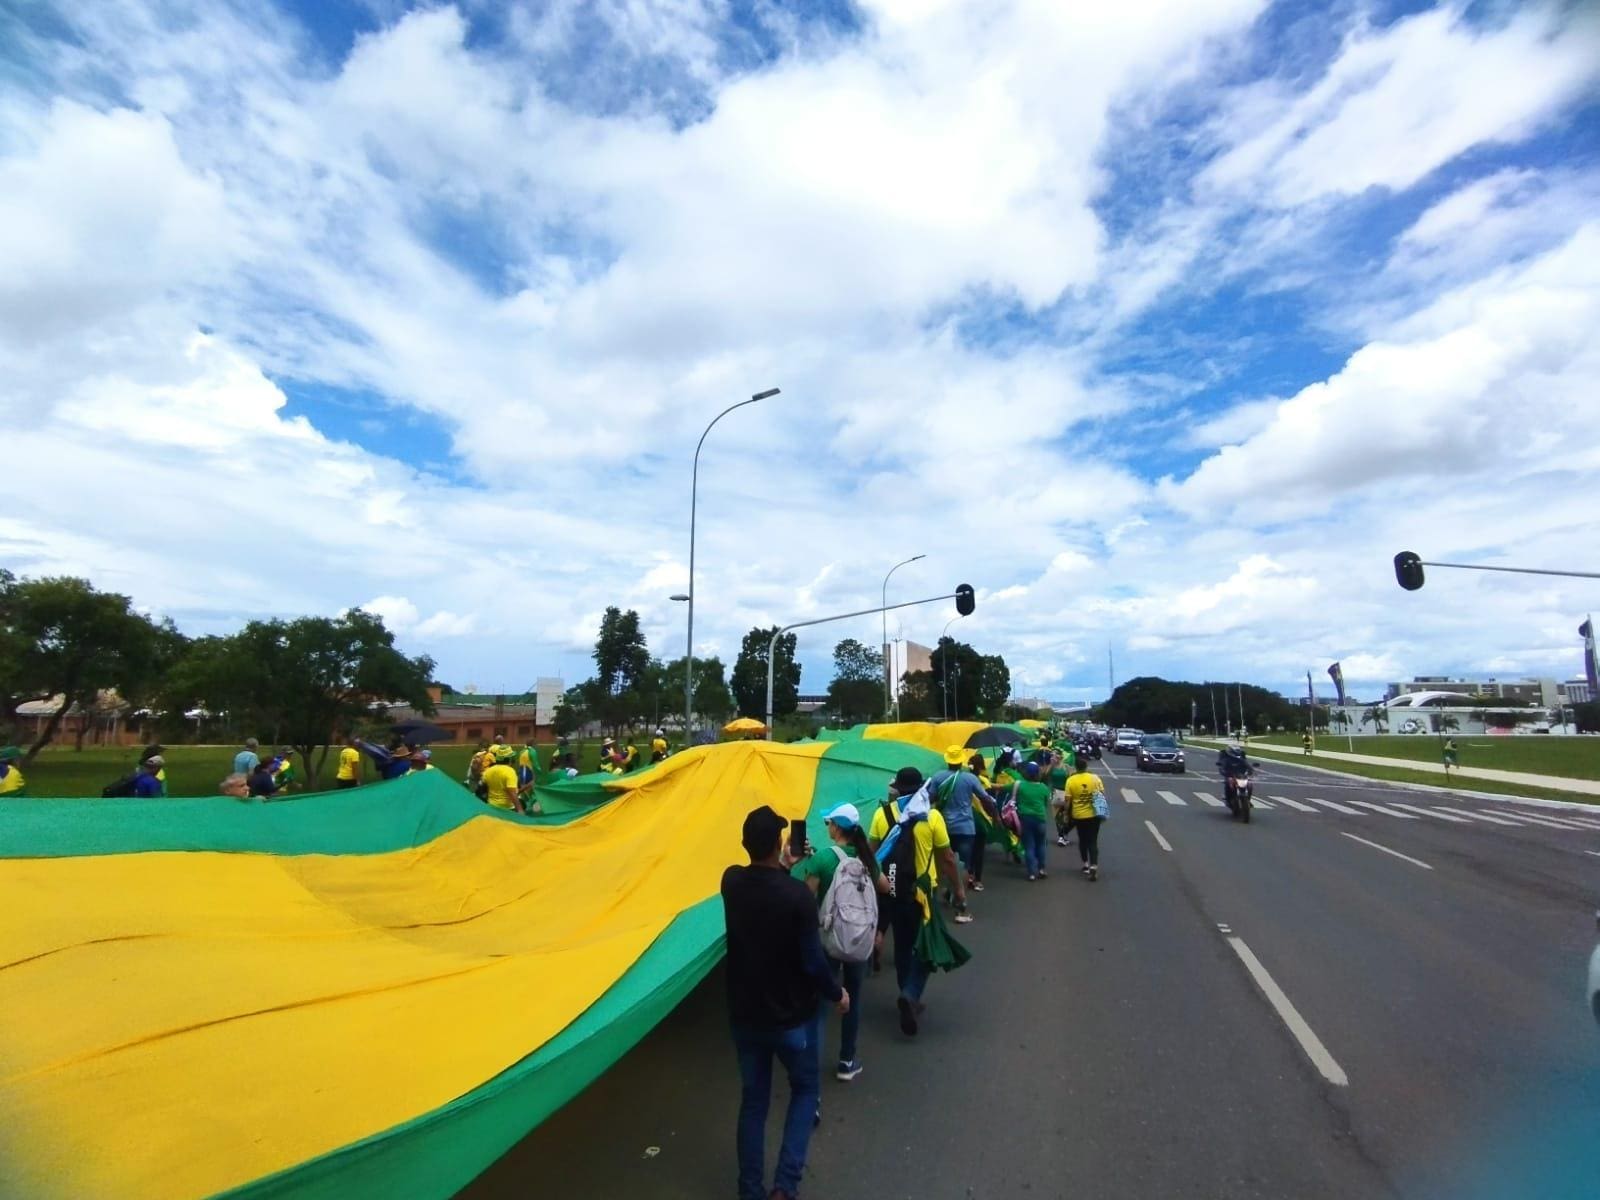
(797, 839)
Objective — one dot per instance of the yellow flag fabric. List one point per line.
(176, 1024)
(930, 735)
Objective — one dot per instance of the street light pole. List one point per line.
(888, 669)
(694, 496)
(944, 668)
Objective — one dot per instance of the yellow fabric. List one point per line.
(349, 763)
(177, 1024)
(744, 725)
(1080, 792)
(13, 782)
(500, 781)
(937, 737)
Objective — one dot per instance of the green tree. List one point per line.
(856, 693)
(712, 699)
(304, 680)
(615, 694)
(750, 675)
(572, 713)
(1445, 722)
(919, 696)
(994, 686)
(60, 636)
(1377, 716)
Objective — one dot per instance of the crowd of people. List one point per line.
(805, 926)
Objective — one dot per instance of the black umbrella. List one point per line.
(417, 731)
(994, 735)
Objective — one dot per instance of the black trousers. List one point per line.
(1089, 839)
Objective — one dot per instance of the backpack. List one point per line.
(901, 865)
(1101, 808)
(122, 787)
(850, 911)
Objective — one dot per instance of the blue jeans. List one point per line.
(795, 1049)
(1033, 843)
(854, 974)
(963, 844)
(909, 971)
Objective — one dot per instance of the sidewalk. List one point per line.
(1587, 787)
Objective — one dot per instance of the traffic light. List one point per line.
(966, 600)
(1408, 570)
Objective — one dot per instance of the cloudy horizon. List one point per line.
(1164, 324)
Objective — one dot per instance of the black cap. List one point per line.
(907, 780)
(762, 829)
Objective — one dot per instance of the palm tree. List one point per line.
(1446, 723)
(1377, 716)
(1340, 719)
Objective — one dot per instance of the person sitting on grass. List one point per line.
(148, 785)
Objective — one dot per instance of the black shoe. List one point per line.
(908, 1017)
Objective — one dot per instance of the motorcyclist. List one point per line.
(1233, 763)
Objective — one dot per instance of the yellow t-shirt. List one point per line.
(501, 781)
(931, 835)
(349, 763)
(1080, 793)
(13, 782)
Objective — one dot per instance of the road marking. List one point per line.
(1431, 812)
(1309, 1041)
(1388, 812)
(1386, 850)
(1478, 816)
(1596, 853)
(1258, 802)
(1293, 804)
(1131, 796)
(1549, 822)
(1172, 798)
(1112, 771)
(1337, 807)
(1208, 798)
(1156, 833)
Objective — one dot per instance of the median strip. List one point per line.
(1386, 850)
(1309, 1041)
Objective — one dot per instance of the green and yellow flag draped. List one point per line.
(367, 992)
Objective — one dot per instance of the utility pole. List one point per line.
(1215, 728)
(1111, 673)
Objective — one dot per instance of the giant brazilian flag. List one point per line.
(358, 993)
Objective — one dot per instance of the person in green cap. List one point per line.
(11, 781)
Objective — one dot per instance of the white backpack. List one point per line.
(850, 911)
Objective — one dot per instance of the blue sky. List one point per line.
(1164, 325)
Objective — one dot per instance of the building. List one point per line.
(1543, 692)
(470, 718)
(1577, 691)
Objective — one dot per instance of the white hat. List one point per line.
(845, 816)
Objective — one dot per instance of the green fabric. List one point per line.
(935, 946)
(1033, 800)
(855, 733)
(822, 864)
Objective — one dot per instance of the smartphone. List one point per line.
(797, 839)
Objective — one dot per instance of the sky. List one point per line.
(1164, 324)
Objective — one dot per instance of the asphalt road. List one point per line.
(1426, 1033)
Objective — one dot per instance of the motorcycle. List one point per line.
(1237, 790)
(1086, 750)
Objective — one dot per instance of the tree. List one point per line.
(1340, 720)
(856, 693)
(572, 712)
(712, 699)
(750, 675)
(1445, 722)
(616, 693)
(305, 680)
(1377, 716)
(993, 687)
(63, 637)
(1586, 716)
(919, 696)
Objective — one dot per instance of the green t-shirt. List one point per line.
(1058, 778)
(822, 864)
(1033, 800)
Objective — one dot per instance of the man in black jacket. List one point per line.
(777, 978)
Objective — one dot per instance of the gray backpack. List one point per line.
(850, 911)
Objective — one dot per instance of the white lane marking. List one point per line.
(1293, 804)
(1172, 798)
(1386, 850)
(1309, 1041)
(1337, 807)
(1258, 802)
(1131, 796)
(1430, 812)
(1584, 821)
(1478, 816)
(1156, 833)
(1388, 812)
(1110, 770)
(1208, 798)
(1549, 822)
(1596, 853)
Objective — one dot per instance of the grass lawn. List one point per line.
(1574, 757)
(197, 770)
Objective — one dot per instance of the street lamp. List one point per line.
(944, 668)
(888, 671)
(694, 495)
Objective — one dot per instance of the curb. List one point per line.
(1531, 801)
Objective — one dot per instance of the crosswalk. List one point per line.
(1395, 810)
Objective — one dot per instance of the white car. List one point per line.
(1127, 741)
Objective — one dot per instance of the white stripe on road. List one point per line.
(1131, 796)
(1596, 853)
(1172, 798)
(1386, 850)
(1388, 812)
(1293, 804)
(1478, 816)
(1337, 807)
(1431, 812)
(1207, 798)
(1309, 1041)
(1549, 822)
(1156, 833)
(1258, 802)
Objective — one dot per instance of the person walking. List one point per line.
(349, 773)
(846, 840)
(245, 761)
(777, 976)
(1086, 798)
(914, 917)
(501, 788)
(1033, 809)
(953, 792)
(1305, 742)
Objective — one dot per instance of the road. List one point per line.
(1426, 1034)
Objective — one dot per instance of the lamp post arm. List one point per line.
(1514, 570)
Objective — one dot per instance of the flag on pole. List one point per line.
(1591, 663)
(1336, 673)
